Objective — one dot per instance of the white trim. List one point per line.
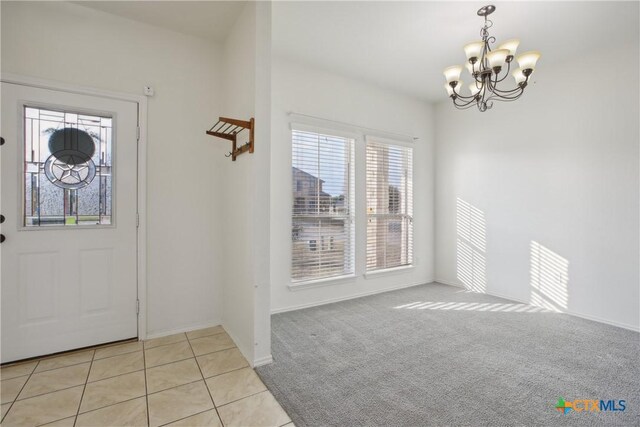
(568, 312)
(389, 271)
(263, 361)
(351, 127)
(66, 87)
(189, 328)
(332, 300)
(141, 100)
(388, 141)
(324, 130)
(607, 322)
(327, 281)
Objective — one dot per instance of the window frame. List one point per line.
(351, 216)
(409, 215)
(359, 227)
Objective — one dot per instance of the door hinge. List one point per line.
(138, 133)
(137, 306)
(137, 220)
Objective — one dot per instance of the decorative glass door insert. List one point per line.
(67, 168)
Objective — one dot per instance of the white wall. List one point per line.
(557, 168)
(73, 44)
(310, 91)
(246, 186)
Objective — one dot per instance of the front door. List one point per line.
(69, 191)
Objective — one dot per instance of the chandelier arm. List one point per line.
(506, 74)
(464, 97)
(499, 97)
(465, 107)
(463, 104)
(458, 95)
(510, 91)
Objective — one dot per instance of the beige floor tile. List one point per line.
(169, 339)
(9, 389)
(211, 343)
(234, 385)
(205, 332)
(112, 390)
(5, 407)
(115, 350)
(116, 365)
(17, 370)
(204, 419)
(66, 422)
(54, 380)
(172, 375)
(65, 360)
(177, 403)
(261, 409)
(129, 413)
(45, 409)
(289, 425)
(221, 361)
(167, 354)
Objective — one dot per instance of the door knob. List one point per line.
(1, 219)
(2, 238)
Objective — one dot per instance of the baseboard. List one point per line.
(180, 330)
(446, 282)
(263, 361)
(569, 312)
(607, 322)
(332, 300)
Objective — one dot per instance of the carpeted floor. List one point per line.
(412, 358)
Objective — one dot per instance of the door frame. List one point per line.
(141, 238)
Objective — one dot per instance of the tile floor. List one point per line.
(197, 378)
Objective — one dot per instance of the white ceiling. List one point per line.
(405, 45)
(211, 20)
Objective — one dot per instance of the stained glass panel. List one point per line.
(67, 167)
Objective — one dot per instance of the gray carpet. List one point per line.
(487, 362)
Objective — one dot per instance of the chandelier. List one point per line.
(488, 69)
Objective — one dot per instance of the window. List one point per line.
(389, 205)
(322, 183)
(67, 168)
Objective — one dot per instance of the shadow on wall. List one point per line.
(549, 279)
(470, 246)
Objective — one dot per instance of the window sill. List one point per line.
(297, 286)
(388, 271)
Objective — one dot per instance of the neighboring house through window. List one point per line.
(322, 212)
(389, 205)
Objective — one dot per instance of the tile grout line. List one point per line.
(146, 391)
(186, 338)
(155, 392)
(49, 392)
(246, 397)
(80, 363)
(114, 376)
(83, 389)
(106, 406)
(205, 384)
(93, 358)
(21, 388)
(184, 418)
(127, 373)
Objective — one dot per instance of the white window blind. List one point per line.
(389, 205)
(322, 230)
